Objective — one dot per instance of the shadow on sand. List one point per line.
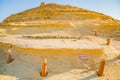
(90, 77)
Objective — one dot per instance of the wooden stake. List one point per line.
(44, 68)
(119, 56)
(9, 56)
(95, 33)
(108, 41)
(101, 68)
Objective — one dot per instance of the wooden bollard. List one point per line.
(44, 68)
(101, 68)
(108, 41)
(9, 56)
(95, 33)
(119, 56)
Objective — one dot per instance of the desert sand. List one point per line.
(63, 58)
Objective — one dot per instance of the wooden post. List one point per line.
(44, 68)
(9, 56)
(101, 68)
(108, 41)
(119, 56)
(95, 33)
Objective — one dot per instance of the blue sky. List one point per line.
(108, 7)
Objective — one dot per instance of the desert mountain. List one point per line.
(58, 19)
(53, 11)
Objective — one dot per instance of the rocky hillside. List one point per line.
(55, 19)
(53, 11)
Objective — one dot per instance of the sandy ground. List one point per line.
(50, 43)
(62, 64)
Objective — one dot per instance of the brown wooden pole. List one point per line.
(101, 68)
(95, 33)
(108, 41)
(9, 56)
(119, 56)
(44, 68)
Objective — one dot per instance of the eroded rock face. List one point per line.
(53, 11)
(59, 19)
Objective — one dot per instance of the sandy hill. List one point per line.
(58, 19)
(53, 11)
